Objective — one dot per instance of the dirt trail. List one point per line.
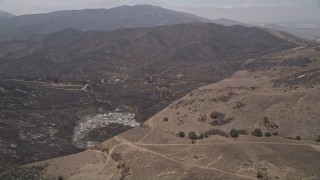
(192, 165)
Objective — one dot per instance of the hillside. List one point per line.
(73, 89)
(277, 93)
(36, 26)
(139, 51)
(229, 22)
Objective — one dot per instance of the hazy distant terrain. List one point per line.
(39, 25)
(307, 31)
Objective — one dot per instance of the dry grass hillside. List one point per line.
(277, 93)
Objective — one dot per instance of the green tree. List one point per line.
(201, 136)
(259, 174)
(266, 120)
(182, 134)
(193, 135)
(267, 134)
(234, 133)
(257, 132)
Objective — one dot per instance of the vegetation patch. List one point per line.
(266, 121)
(220, 122)
(239, 105)
(234, 133)
(116, 157)
(201, 136)
(193, 135)
(259, 174)
(223, 98)
(216, 132)
(219, 119)
(181, 134)
(202, 118)
(257, 132)
(267, 134)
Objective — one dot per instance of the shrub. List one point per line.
(275, 134)
(182, 134)
(234, 133)
(165, 119)
(298, 138)
(266, 120)
(60, 178)
(201, 136)
(267, 134)
(216, 132)
(193, 135)
(257, 132)
(259, 174)
(217, 115)
(116, 157)
(202, 118)
(318, 140)
(105, 149)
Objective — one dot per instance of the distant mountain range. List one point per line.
(229, 22)
(306, 31)
(37, 26)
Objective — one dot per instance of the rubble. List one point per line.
(92, 122)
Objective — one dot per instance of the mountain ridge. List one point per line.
(215, 40)
(37, 26)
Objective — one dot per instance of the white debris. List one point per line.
(85, 87)
(90, 123)
(301, 76)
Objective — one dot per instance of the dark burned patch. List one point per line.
(23, 173)
(260, 64)
(266, 64)
(301, 62)
(103, 133)
(306, 78)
